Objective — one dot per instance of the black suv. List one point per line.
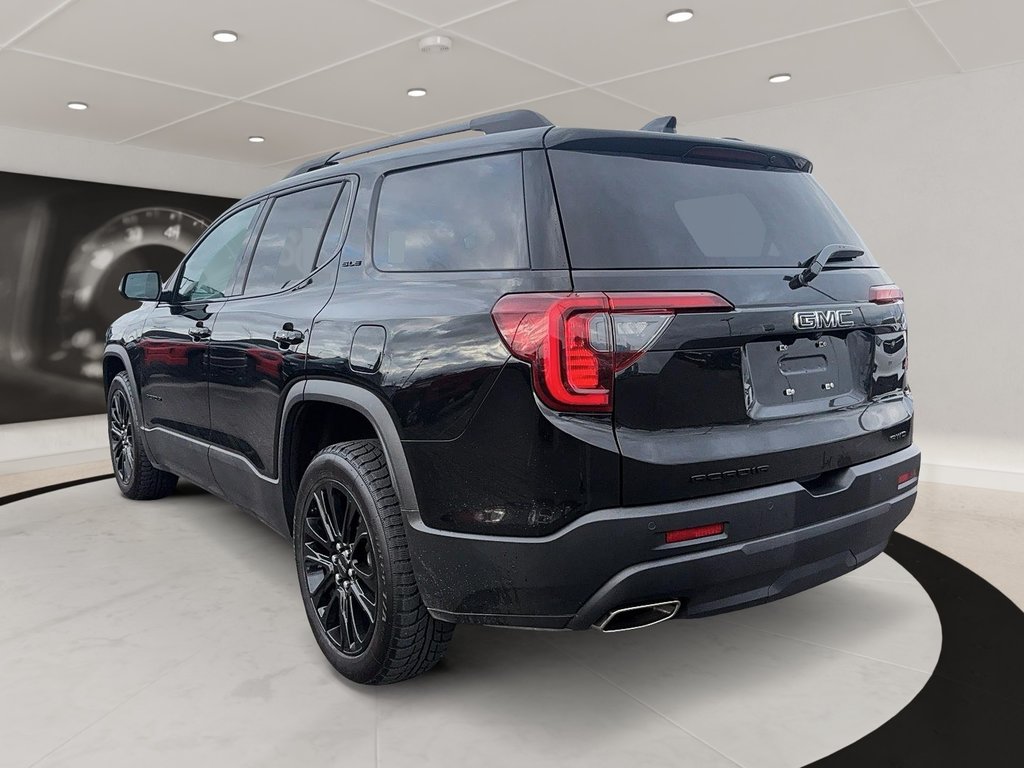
(545, 377)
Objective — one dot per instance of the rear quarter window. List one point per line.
(455, 216)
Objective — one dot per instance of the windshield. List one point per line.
(631, 212)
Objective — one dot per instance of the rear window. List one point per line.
(630, 212)
(461, 215)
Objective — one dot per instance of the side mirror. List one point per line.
(141, 286)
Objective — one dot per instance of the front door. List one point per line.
(259, 341)
(174, 350)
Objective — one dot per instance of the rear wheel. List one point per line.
(354, 570)
(135, 475)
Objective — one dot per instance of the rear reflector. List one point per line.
(906, 478)
(885, 294)
(577, 342)
(689, 534)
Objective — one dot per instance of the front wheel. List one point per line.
(355, 575)
(136, 477)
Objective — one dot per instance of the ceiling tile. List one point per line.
(588, 108)
(868, 54)
(978, 33)
(168, 42)
(223, 133)
(597, 40)
(19, 15)
(371, 90)
(441, 12)
(35, 92)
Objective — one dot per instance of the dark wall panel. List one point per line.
(64, 246)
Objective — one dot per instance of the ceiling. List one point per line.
(314, 75)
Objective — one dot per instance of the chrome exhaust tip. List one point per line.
(638, 616)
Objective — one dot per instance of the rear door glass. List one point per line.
(289, 244)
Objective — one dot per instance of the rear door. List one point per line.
(260, 337)
(778, 384)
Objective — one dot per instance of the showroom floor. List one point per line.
(170, 633)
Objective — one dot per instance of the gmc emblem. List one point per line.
(823, 318)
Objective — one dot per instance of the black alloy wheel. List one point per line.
(339, 566)
(122, 438)
(134, 473)
(355, 570)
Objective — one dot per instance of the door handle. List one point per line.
(199, 332)
(288, 336)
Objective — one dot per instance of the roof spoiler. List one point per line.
(500, 122)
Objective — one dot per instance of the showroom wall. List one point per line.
(68, 157)
(937, 195)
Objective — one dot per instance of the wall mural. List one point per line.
(64, 246)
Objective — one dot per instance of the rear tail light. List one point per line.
(885, 294)
(577, 342)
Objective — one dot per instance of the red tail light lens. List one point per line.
(576, 342)
(699, 532)
(885, 294)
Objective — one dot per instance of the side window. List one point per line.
(288, 245)
(210, 269)
(461, 215)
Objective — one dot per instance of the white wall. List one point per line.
(47, 154)
(32, 439)
(931, 175)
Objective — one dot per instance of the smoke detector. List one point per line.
(435, 44)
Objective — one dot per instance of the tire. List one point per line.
(353, 564)
(136, 477)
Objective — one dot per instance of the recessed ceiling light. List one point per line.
(225, 36)
(77, 105)
(256, 139)
(782, 77)
(683, 14)
(416, 92)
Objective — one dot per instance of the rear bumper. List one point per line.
(778, 540)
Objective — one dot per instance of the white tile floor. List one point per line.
(170, 633)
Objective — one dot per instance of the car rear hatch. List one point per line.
(724, 372)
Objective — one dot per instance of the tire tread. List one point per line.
(418, 641)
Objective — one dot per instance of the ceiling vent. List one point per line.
(435, 44)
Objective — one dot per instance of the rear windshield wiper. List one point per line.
(813, 266)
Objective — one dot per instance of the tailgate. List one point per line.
(731, 400)
(791, 384)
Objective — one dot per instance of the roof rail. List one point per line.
(500, 122)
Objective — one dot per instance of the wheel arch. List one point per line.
(368, 406)
(115, 360)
